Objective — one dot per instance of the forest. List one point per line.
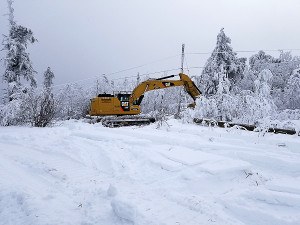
(247, 90)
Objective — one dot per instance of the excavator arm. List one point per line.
(149, 85)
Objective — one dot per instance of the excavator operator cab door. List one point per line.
(124, 101)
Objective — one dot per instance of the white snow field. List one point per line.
(78, 173)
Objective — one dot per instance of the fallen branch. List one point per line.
(247, 127)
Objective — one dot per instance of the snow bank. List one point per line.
(78, 173)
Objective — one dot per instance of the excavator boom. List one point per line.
(161, 83)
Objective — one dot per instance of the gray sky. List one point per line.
(84, 38)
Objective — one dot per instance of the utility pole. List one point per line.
(182, 57)
(97, 87)
(177, 115)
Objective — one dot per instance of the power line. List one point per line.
(146, 64)
(121, 78)
(255, 64)
(120, 71)
(161, 71)
(169, 70)
(147, 74)
(245, 51)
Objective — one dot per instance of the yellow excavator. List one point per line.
(119, 109)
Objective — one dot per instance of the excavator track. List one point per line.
(121, 121)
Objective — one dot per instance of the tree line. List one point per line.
(233, 88)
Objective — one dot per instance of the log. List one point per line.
(245, 126)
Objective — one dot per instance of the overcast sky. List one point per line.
(84, 38)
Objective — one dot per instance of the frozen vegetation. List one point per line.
(78, 173)
(233, 89)
(171, 172)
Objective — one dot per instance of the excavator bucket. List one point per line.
(190, 86)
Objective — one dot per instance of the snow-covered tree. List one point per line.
(257, 105)
(206, 108)
(281, 67)
(253, 108)
(125, 85)
(17, 69)
(292, 91)
(247, 81)
(73, 102)
(138, 79)
(17, 62)
(224, 83)
(263, 83)
(43, 103)
(222, 58)
(261, 61)
(48, 79)
(105, 86)
(245, 106)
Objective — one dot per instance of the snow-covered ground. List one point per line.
(78, 173)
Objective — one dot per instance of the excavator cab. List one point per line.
(124, 101)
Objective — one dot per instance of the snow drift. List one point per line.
(77, 173)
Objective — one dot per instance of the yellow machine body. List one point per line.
(112, 105)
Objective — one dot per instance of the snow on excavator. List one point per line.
(118, 109)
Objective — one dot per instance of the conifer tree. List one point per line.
(17, 69)
(223, 58)
(17, 62)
